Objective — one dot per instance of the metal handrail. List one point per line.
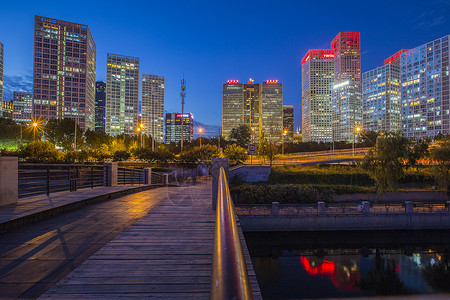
(229, 273)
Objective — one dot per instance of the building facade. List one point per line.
(173, 127)
(2, 62)
(259, 106)
(64, 71)
(152, 106)
(22, 107)
(382, 97)
(122, 94)
(425, 89)
(317, 83)
(346, 96)
(288, 122)
(7, 109)
(100, 106)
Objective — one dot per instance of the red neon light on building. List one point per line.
(323, 53)
(394, 57)
(232, 81)
(346, 40)
(272, 81)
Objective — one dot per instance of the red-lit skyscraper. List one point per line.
(346, 97)
(64, 71)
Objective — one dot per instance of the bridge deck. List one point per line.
(166, 255)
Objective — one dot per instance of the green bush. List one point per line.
(266, 194)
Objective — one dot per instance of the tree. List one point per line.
(61, 133)
(440, 155)
(121, 155)
(236, 153)
(95, 140)
(162, 155)
(417, 149)
(40, 151)
(206, 153)
(241, 135)
(385, 163)
(267, 149)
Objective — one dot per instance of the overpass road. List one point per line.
(35, 257)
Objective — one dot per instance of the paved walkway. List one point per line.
(165, 255)
(35, 257)
(31, 209)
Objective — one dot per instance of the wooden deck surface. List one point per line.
(165, 255)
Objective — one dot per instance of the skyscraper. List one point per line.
(425, 89)
(271, 110)
(2, 58)
(346, 96)
(259, 106)
(22, 107)
(122, 94)
(64, 71)
(288, 121)
(100, 101)
(152, 106)
(173, 127)
(382, 96)
(317, 83)
(232, 106)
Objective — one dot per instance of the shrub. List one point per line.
(236, 153)
(266, 194)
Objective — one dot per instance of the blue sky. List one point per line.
(212, 41)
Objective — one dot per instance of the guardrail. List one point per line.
(36, 179)
(229, 276)
(130, 176)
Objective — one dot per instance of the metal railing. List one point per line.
(229, 276)
(38, 179)
(130, 176)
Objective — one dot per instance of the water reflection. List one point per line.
(295, 271)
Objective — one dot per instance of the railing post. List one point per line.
(218, 163)
(165, 179)
(366, 207)
(320, 208)
(48, 181)
(147, 175)
(132, 176)
(409, 208)
(448, 206)
(92, 177)
(111, 174)
(9, 180)
(275, 208)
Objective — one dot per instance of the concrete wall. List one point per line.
(250, 173)
(9, 179)
(346, 222)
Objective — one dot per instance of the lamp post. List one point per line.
(34, 130)
(140, 135)
(357, 129)
(251, 155)
(200, 130)
(282, 142)
(141, 126)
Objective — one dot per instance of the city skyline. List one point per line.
(296, 36)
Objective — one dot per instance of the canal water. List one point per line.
(313, 265)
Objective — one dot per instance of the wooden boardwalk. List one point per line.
(165, 255)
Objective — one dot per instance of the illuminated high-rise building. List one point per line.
(22, 107)
(382, 96)
(425, 89)
(346, 96)
(317, 83)
(152, 106)
(100, 103)
(7, 109)
(64, 71)
(288, 121)
(173, 127)
(122, 94)
(271, 110)
(259, 106)
(2, 59)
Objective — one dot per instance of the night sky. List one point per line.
(212, 41)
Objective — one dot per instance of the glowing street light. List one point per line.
(357, 129)
(200, 130)
(282, 141)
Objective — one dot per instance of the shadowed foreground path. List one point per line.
(165, 255)
(35, 257)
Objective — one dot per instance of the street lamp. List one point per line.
(282, 142)
(251, 154)
(200, 130)
(357, 129)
